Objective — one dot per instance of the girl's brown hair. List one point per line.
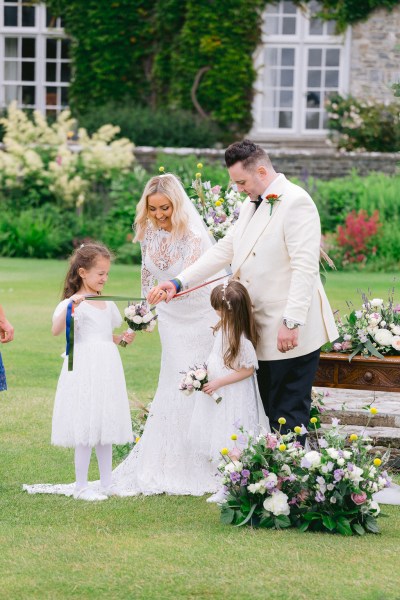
(83, 257)
(233, 301)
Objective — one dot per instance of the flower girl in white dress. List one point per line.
(91, 407)
(231, 370)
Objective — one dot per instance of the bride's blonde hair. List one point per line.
(169, 186)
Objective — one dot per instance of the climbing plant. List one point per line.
(191, 54)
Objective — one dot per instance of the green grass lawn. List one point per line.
(156, 547)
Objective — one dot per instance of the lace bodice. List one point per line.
(163, 257)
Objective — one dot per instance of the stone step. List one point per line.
(361, 418)
(381, 436)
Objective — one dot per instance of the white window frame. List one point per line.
(41, 33)
(301, 42)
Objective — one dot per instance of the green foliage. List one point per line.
(364, 125)
(148, 127)
(349, 12)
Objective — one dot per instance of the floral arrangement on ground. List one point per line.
(373, 330)
(272, 481)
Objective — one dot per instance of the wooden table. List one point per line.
(361, 373)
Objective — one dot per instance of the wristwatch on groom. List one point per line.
(290, 324)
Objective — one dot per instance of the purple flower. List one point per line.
(323, 443)
(320, 480)
(338, 474)
(235, 477)
(245, 473)
(335, 422)
(305, 463)
(358, 314)
(292, 477)
(319, 497)
(242, 439)
(350, 467)
(265, 472)
(243, 482)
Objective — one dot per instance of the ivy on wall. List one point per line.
(192, 54)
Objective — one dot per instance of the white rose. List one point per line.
(375, 507)
(376, 302)
(200, 374)
(151, 325)
(253, 488)
(340, 462)
(188, 381)
(234, 466)
(277, 504)
(395, 329)
(187, 392)
(148, 317)
(382, 324)
(346, 454)
(333, 500)
(330, 487)
(333, 453)
(355, 474)
(286, 469)
(313, 457)
(396, 342)
(196, 384)
(129, 312)
(383, 337)
(137, 319)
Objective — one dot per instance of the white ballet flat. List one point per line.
(89, 495)
(218, 498)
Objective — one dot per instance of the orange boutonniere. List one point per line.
(271, 199)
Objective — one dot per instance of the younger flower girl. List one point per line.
(91, 406)
(231, 372)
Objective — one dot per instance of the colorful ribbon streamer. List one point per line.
(69, 319)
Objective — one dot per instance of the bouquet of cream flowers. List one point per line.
(194, 380)
(139, 318)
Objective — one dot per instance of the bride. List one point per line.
(172, 237)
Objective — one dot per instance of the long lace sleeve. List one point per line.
(193, 249)
(148, 280)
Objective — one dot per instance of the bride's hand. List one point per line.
(164, 291)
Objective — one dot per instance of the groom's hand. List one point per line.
(288, 339)
(164, 291)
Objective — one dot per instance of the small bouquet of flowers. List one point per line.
(139, 417)
(374, 330)
(262, 476)
(339, 480)
(219, 208)
(194, 380)
(139, 318)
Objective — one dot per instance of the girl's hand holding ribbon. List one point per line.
(77, 299)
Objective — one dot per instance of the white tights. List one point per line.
(82, 460)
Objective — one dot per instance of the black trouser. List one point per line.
(285, 389)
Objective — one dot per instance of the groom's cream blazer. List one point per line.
(276, 257)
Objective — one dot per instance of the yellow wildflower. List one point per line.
(233, 436)
(161, 169)
(281, 420)
(199, 165)
(224, 451)
(198, 175)
(377, 462)
(353, 437)
(297, 429)
(373, 410)
(313, 420)
(282, 447)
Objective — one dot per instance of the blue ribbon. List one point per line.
(68, 327)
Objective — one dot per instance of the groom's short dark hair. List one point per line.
(246, 152)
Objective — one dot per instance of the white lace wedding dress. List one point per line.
(167, 459)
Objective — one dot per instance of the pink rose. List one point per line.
(346, 345)
(216, 189)
(235, 453)
(337, 346)
(359, 498)
(272, 441)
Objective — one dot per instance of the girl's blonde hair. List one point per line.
(233, 302)
(83, 257)
(170, 186)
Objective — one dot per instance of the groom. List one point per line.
(274, 251)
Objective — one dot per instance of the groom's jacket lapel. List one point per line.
(254, 224)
